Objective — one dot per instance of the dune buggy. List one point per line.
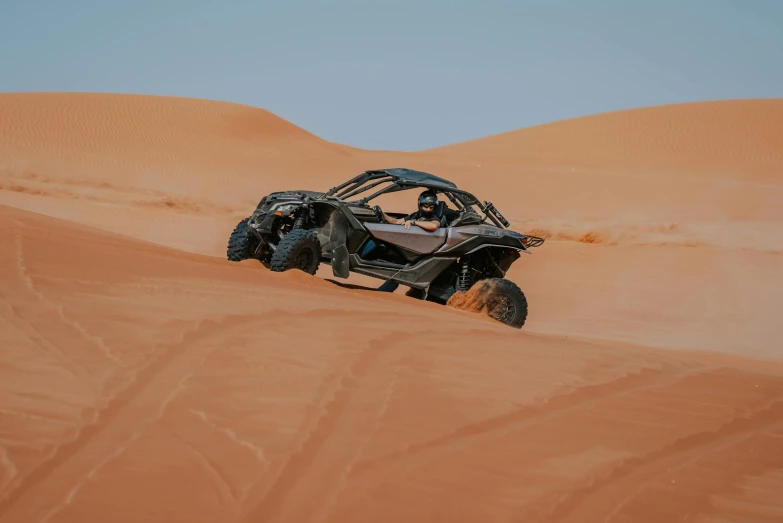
(302, 229)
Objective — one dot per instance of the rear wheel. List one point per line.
(299, 249)
(241, 244)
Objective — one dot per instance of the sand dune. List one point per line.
(688, 174)
(146, 384)
(146, 378)
(148, 166)
(698, 174)
(738, 139)
(153, 132)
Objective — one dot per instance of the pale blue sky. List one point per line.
(401, 74)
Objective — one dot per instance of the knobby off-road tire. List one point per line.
(241, 244)
(299, 249)
(505, 301)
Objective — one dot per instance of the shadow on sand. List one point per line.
(352, 286)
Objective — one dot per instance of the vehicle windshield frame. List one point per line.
(462, 200)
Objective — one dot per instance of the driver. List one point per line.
(424, 217)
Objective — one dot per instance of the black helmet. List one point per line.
(427, 197)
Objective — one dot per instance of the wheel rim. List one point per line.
(304, 260)
(503, 309)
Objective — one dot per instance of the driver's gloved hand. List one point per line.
(379, 213)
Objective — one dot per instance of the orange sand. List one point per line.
(144, 378)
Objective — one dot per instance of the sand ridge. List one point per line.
(739, 139)
(169, 409)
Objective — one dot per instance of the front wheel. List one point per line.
(241, 244)
(501, 298)
(505, 301)
(299, 249)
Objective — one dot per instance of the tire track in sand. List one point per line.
(344, 423)
(26, 279)
(412, 456)
(602, 498)
(126, 415)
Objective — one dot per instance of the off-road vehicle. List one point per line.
(301, 229)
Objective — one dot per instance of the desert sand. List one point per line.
(145, 378)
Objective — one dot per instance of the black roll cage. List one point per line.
(463, 200)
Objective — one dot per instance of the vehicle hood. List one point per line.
(286, 196)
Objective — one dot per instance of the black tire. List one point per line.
(241, 244)
(299, 249)
(505, 301)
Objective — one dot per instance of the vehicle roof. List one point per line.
(409, 176)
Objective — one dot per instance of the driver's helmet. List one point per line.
(427, 202)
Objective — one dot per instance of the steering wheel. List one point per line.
(379, 214)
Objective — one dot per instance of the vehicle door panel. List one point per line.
(414, 239)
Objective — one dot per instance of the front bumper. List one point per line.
(262, 223)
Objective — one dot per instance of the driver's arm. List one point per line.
(427, 225)
(385, 218)
(390, 219)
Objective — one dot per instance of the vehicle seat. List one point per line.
(445, 215)
(462, 218)
(440, 209)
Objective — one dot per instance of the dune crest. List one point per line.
(733, 139)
